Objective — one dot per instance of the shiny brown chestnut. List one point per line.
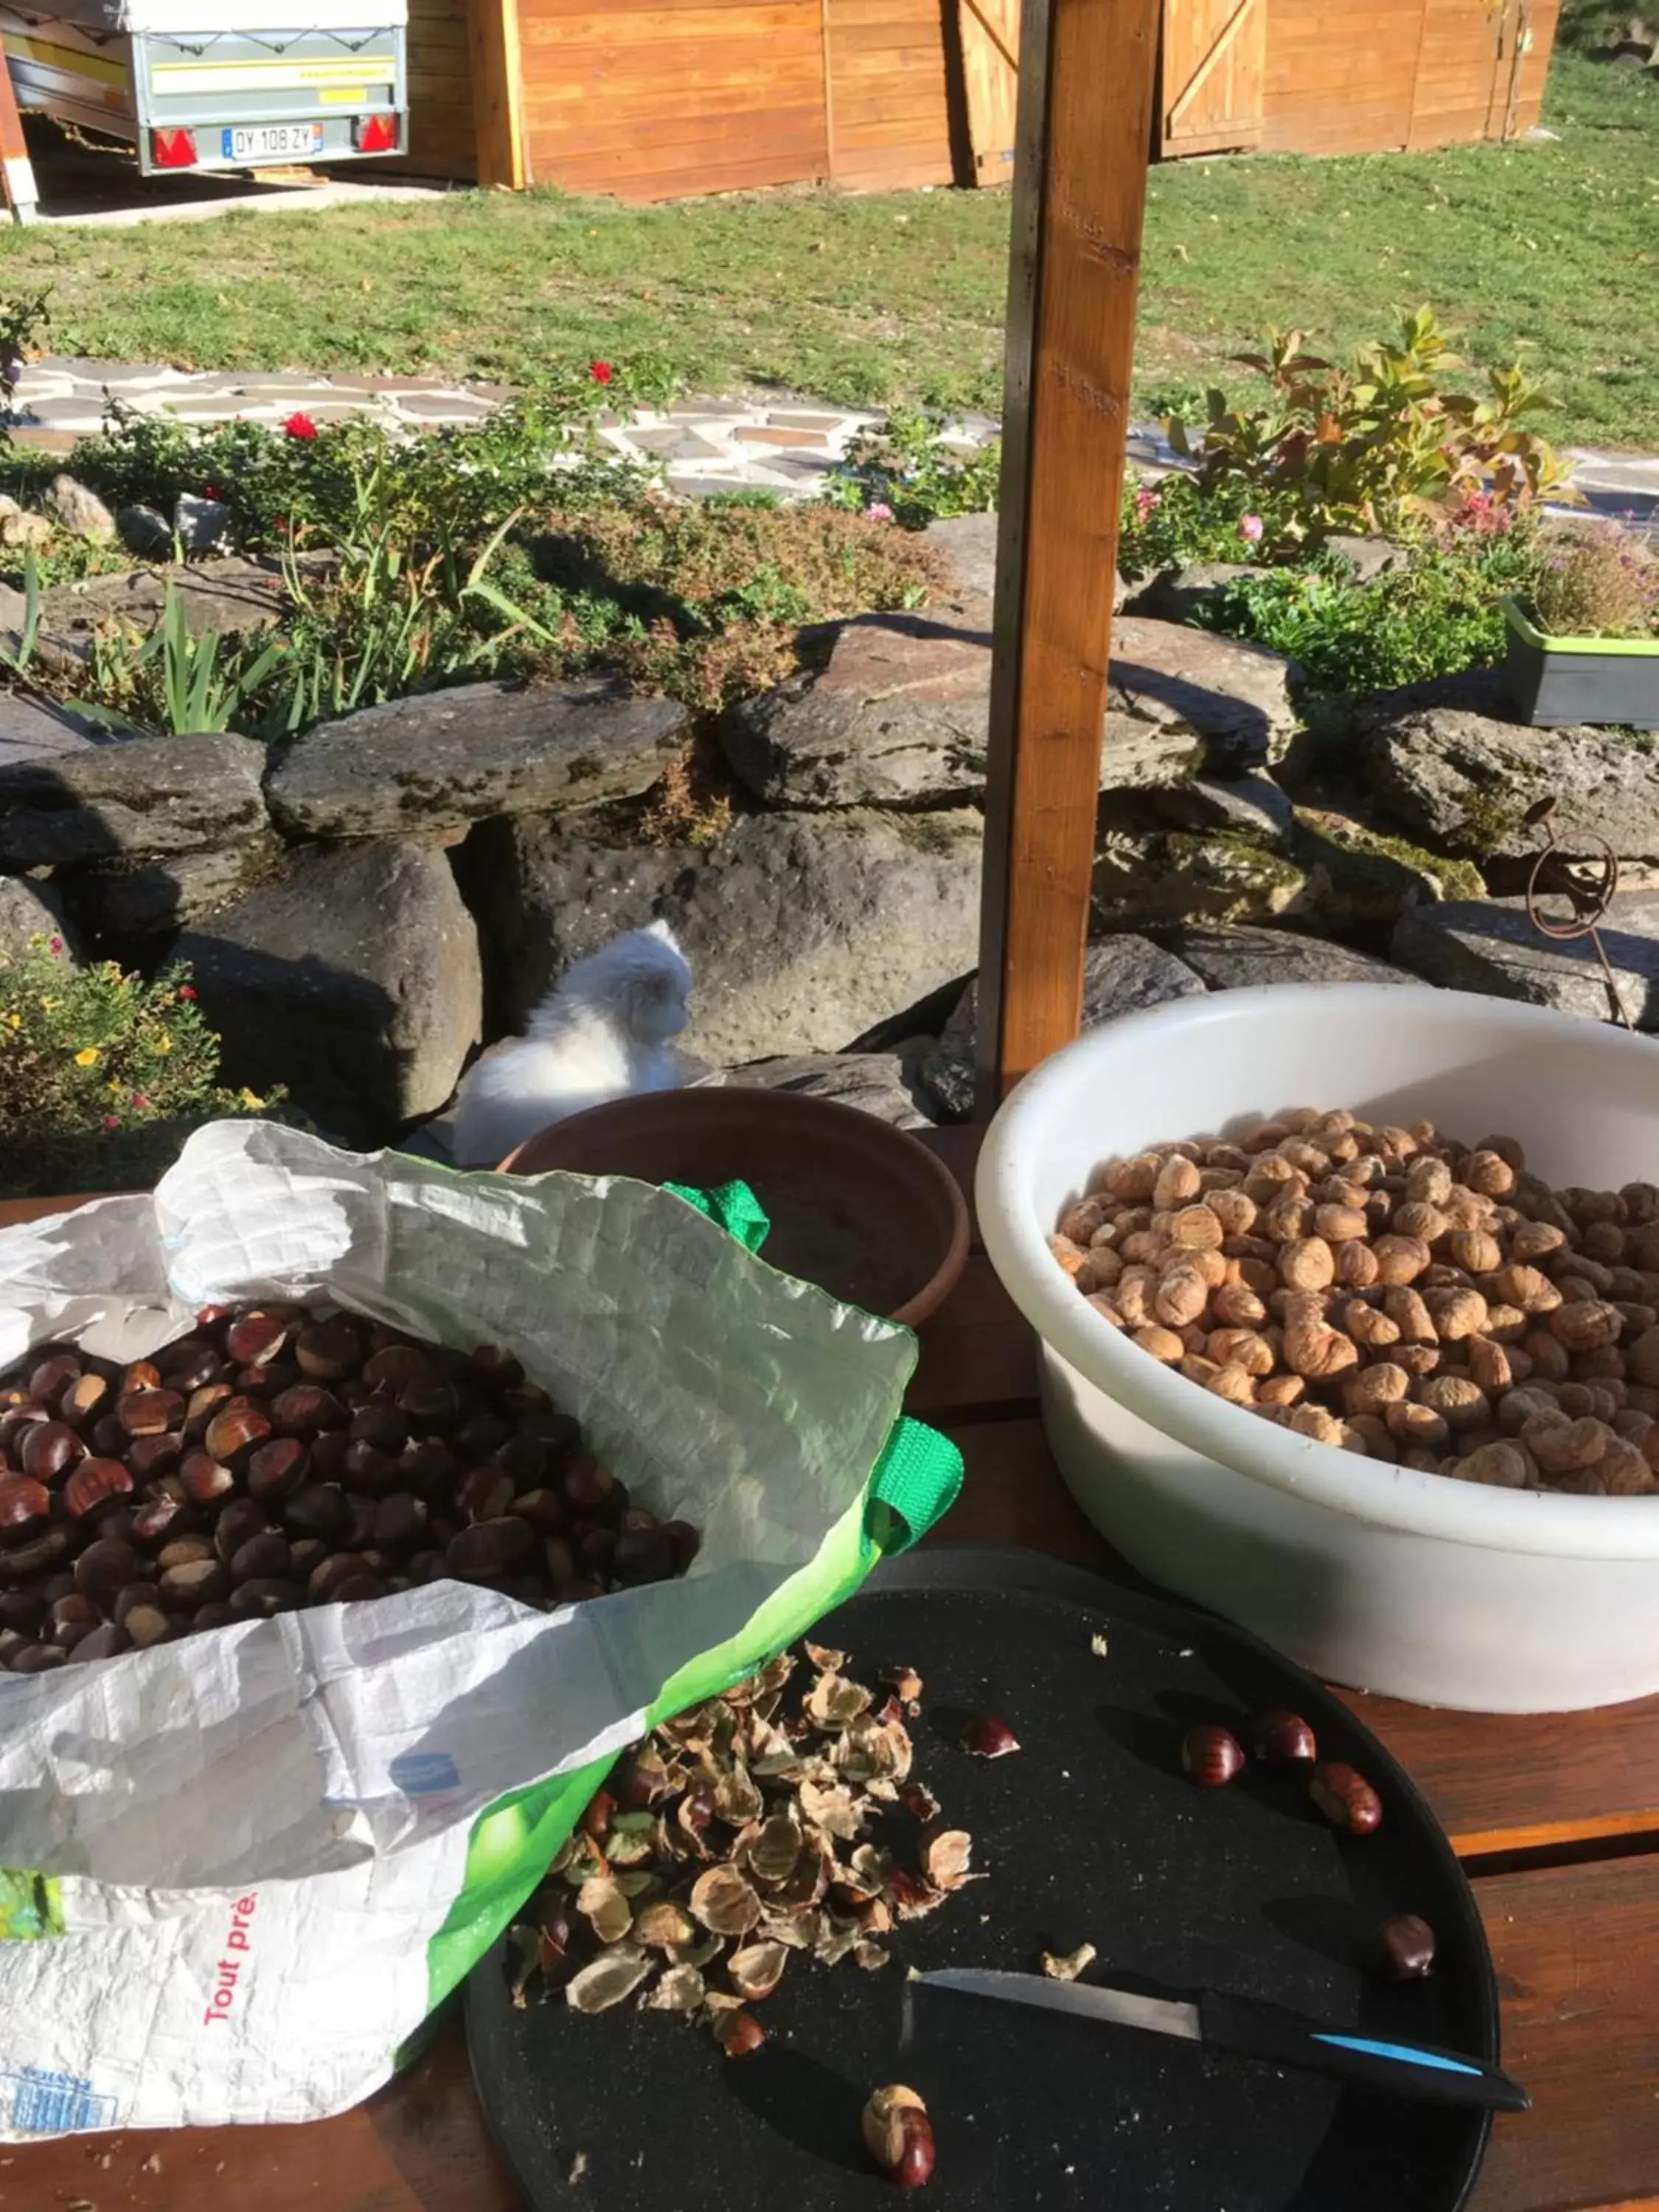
(1401, 1949)
(1281, 1739)
(1213, 1756)
(1346, 1798)
(95, 1482)
(989, 1737)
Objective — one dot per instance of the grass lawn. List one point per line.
(1547, 252)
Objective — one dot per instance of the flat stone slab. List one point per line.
(442, 759)
(142, 796)
(1237, 696)
(1234, 958)
(1442, 762)
(1489, 944)
(225, 597)
(39, 730)
(353, 979)
(879, 1083)
(1121, 975)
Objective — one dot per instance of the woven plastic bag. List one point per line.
(238, 1871)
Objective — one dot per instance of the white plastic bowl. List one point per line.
(1448, 1593)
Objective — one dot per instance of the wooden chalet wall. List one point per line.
(1379, 76)
(665, 99)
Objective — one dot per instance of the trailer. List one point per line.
(217, 84)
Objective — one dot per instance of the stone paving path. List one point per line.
(705, 445)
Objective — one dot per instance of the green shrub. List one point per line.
(905, 472)
(102, 1075)
(1377, 445)
(1438, 614)
(1179, 520)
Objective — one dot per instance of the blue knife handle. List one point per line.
(1255, 2029)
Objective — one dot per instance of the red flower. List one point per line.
(601, 372)
(112, 1120)
(141, 1102)
(300, 426)
(211, 491)
(187, 990)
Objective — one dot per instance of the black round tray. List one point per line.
(1090, 1833)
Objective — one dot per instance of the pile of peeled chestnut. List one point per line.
(276, 1458)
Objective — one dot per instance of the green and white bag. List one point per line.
(241, 1869)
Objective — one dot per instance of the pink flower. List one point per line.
(1250, 528)
(56, 943)
(300, 426)
(880, 512)
(601, 371)
(141, 1102)
(1145, 502)
(112, 1120)
(187, 990)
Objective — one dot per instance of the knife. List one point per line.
(1252, 2029)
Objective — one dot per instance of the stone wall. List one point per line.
(364, 905)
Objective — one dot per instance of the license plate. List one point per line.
(272, 142)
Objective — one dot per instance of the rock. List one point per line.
(1250, 806)
(1360, 879)
(199, 525)
(1234, 695)
(879, 1083)
(1121, 974)
(968, 544)
(1177, 595)
(29, 910)
(81, 512)
(1462, 779)
(442, 759)
(1144, 879)
(1489, 944)
(124, 906)
(354, 980)
(40, 730)
(20, 531)
(1368, 558)
(145, 531)
(223, 597)
(140, 796)
(801, 931)
(1234, 959)
(899, 715)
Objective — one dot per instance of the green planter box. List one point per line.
(1557, 680)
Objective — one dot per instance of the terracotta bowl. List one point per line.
(856, 1207)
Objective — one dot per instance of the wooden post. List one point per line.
(16, 170)
(1087, 72)
(497, 93)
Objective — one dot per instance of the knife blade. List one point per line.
(1252, 2029)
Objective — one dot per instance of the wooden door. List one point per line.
(989, 31)
(1214, 67)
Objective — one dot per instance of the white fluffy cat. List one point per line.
(601, 1035)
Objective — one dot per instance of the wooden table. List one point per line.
(1557, 1819)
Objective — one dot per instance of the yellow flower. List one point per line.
(164, 1042)
(48, 1004)
(249, 1097)
(86, 1057)
(16, 1020)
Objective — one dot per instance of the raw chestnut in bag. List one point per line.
(267, 1461)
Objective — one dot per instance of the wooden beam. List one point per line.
(22, 194)
(1087, 73)
(497, 94)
